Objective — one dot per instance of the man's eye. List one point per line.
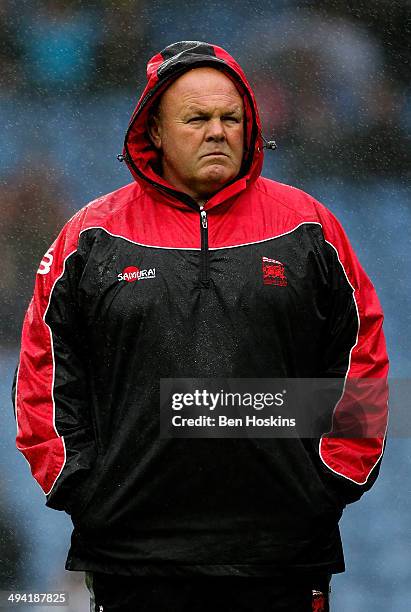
(196, 119)
(234, 119)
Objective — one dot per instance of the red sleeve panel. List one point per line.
(365, 396)
(38, 435)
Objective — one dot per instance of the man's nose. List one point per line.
(215, 130)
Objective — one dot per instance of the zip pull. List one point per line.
(203, 217)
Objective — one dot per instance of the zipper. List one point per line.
(205, 263)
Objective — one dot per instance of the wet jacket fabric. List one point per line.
(142, 285)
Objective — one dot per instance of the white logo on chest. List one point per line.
(132, 274)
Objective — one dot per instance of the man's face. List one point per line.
(199, 130)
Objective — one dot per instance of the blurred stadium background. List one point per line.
(333, 84)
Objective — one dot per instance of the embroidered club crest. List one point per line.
(274, 272)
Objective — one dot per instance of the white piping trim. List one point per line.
(52, 384)
(54, 371)
(17, 424)
(345, 382)
(232, 246)
(15, 398)
(151, 246)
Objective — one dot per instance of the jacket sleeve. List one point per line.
(54, 429)
(354, 349)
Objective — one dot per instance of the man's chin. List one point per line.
(215, 179)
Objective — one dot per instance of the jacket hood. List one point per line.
(142, 157)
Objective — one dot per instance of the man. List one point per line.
(166, 278)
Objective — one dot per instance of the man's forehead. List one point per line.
(200, 85)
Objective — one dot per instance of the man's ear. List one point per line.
(154, 130)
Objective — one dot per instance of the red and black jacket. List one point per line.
(96, 340)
